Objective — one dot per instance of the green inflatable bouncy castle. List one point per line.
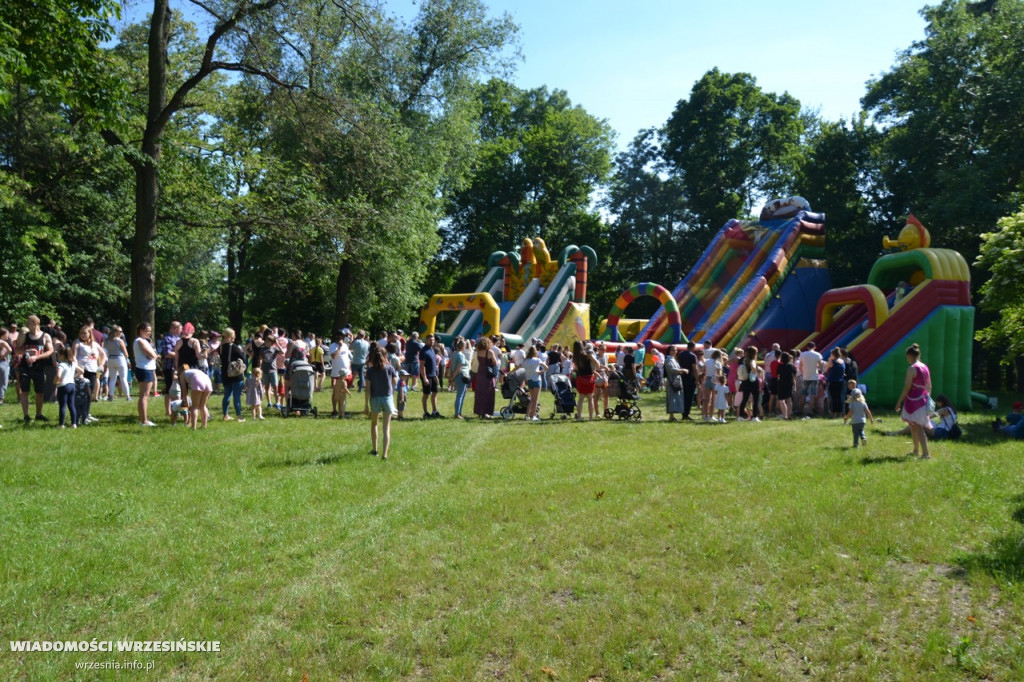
(916, 295)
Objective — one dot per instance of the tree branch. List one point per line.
(208, 65)
(114, 140)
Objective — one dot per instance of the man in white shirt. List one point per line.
(810, 362)
(518, 357)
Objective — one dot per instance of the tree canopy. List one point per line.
(734, 145)
(318, 162)
(537, 163)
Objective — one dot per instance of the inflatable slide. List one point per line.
(525, 295)
(916, 295)
(752, 269)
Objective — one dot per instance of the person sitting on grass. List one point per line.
(942, 424)
(1014, 424)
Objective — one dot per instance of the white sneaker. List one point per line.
(755, 419)
(91, 419)
(146, 423)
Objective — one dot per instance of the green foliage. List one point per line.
(734, 145)
(839, 175)
(51, 47)
(951, 108)
(538, 162)
(651, 236)
(1002, 256)
(63, 222)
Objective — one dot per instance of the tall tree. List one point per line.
(840, 175)
(238, 42)
(1003, 290)
(951, 110)
(734, 144)
(539, 161)
(651, 236)
(361, 154)
(58, 212)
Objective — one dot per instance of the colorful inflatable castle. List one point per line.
(915, 295)
(523, 296)
(756, 280)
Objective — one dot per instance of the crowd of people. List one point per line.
(186, 367)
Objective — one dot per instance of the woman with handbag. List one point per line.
(749, 387)
(232, 362)
(488, 364)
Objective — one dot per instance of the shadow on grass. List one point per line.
(334, 458)
(1004, 558)
(886, 459)
(119, 419)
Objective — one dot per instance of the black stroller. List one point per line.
(513, 389)
(565, 397)
(301, 382)
(656, 377)
(625, 391)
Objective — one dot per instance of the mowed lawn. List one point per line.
(512, 550)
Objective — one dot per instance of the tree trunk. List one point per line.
(147, 173)
(143, 267)
(236, 262)
(342, 309)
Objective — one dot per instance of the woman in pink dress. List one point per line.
(487, 362)
(913, 402)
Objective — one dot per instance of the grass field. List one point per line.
(560, 550)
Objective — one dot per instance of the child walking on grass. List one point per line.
(858, 413)
(254, 393)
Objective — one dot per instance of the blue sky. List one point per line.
(630, 61)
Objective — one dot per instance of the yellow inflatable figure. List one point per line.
(914, 235)
(534, 263)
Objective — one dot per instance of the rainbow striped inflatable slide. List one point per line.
(756, 280)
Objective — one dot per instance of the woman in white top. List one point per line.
(460, 372)
(145, 370)
(90, 357)
(117, 363)
(65, 382)
(533, 368)
(712, 370)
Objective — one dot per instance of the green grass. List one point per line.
(481, 550)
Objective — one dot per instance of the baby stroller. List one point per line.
(625, 391)
(565, 397)
(513, 389)
(301, 382)
(656, 377)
